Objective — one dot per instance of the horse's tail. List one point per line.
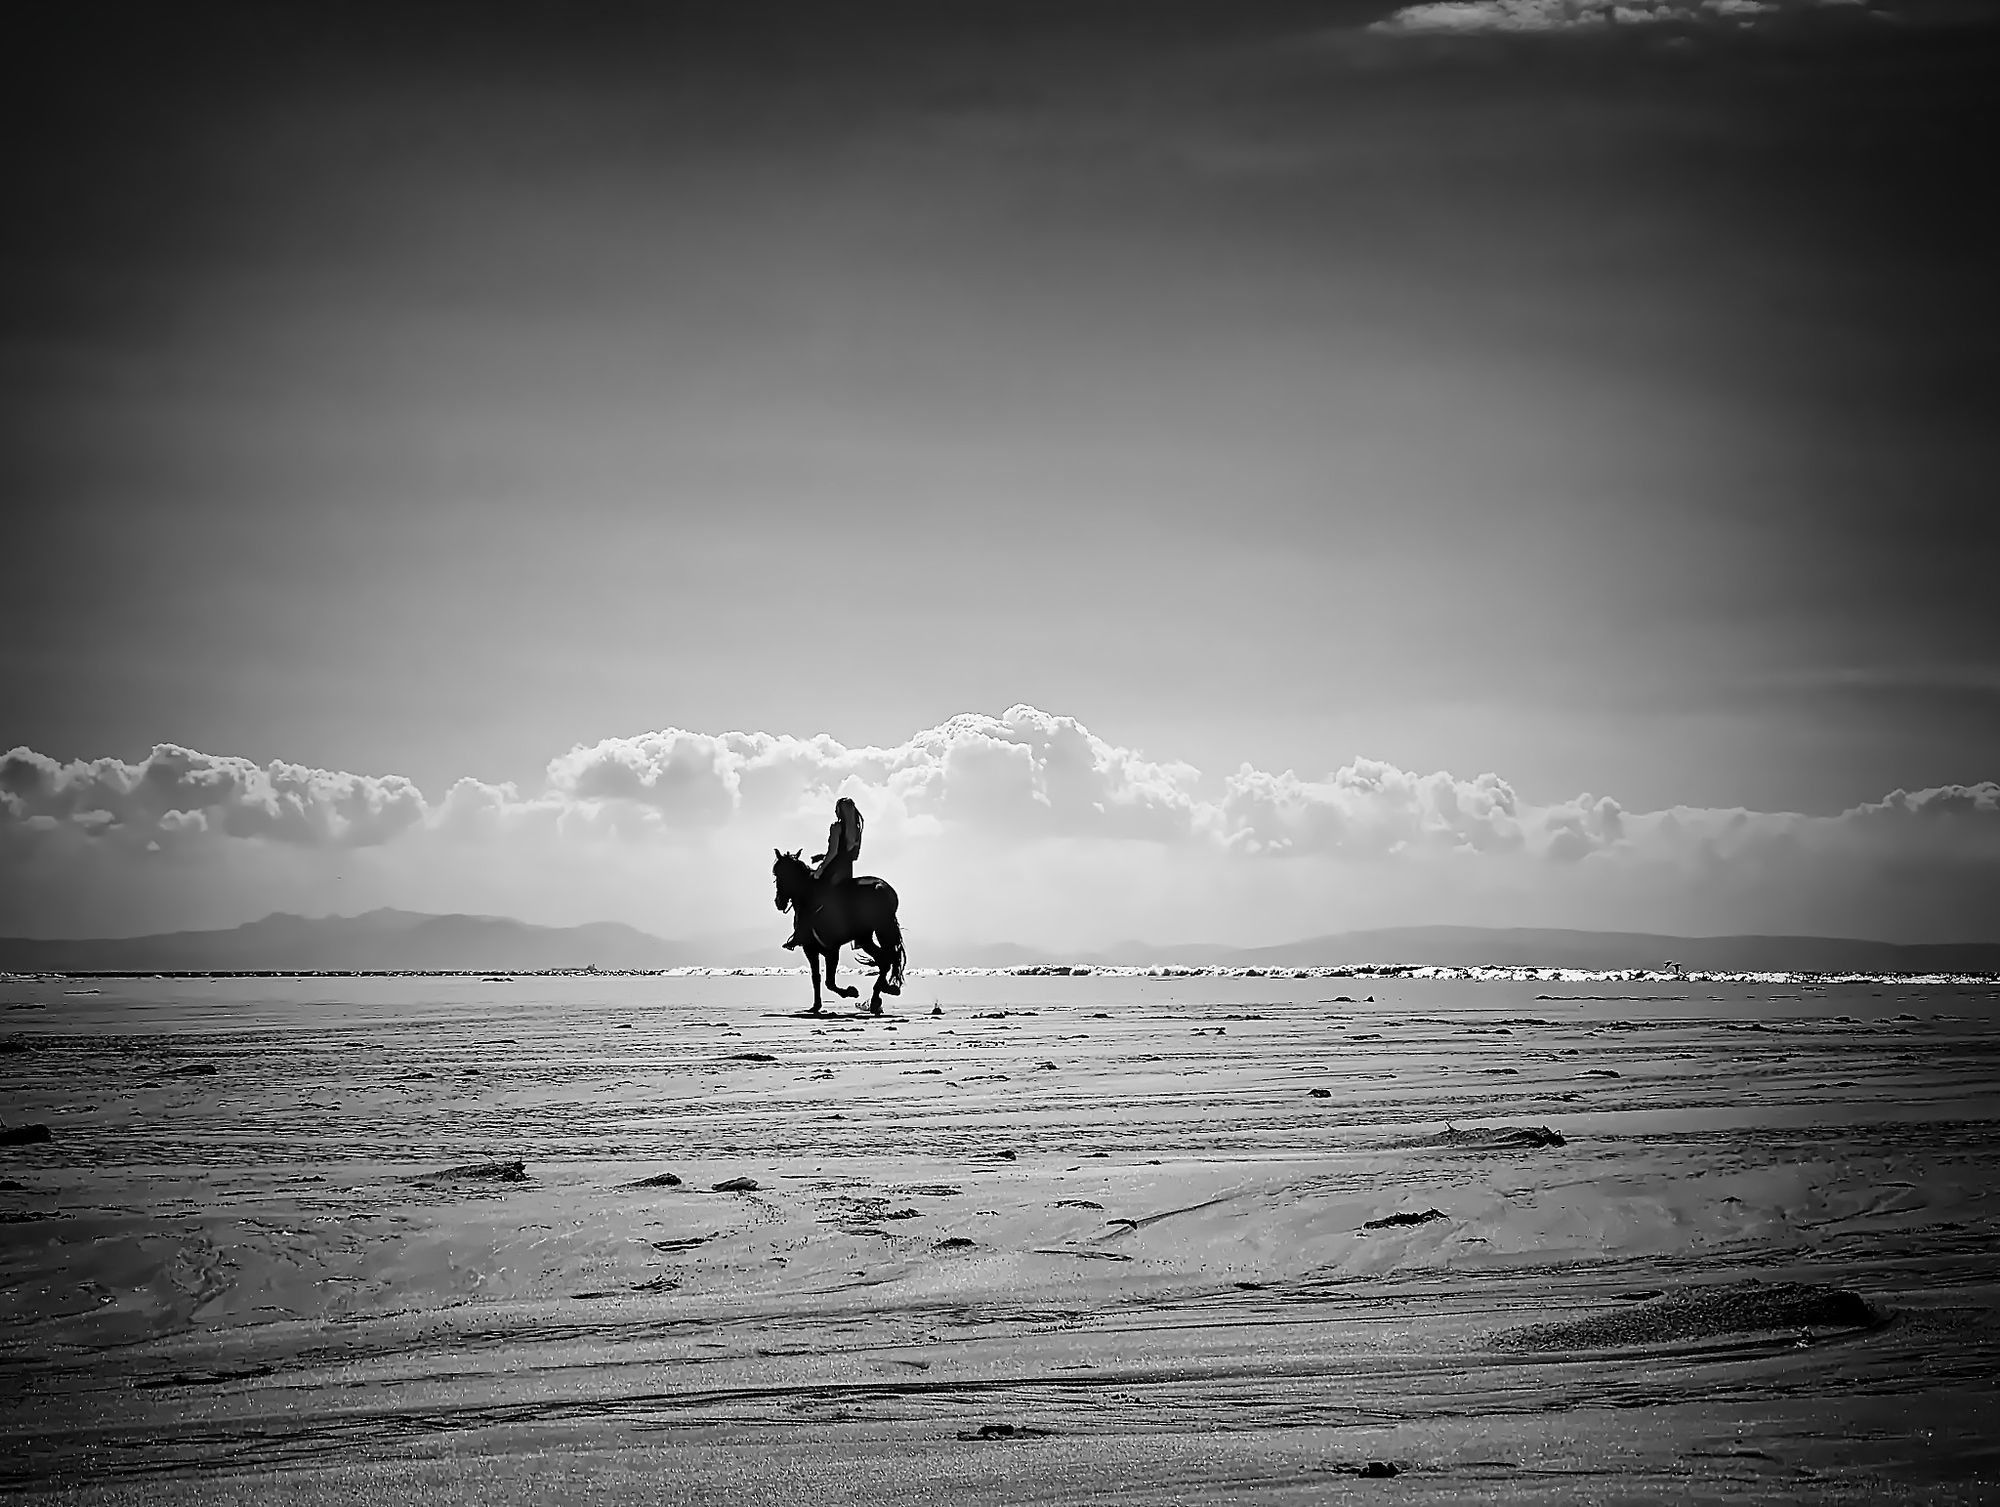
(891, 934)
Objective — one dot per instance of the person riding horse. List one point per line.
(836, 907)
(835, 866)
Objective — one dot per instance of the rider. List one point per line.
(836, 864)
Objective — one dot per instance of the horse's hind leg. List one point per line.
(832, 962)
(812, 962)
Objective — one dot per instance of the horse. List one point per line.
(861, 911)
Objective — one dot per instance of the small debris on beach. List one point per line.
(492, 1172)
(735, 1185)
(1003, 1431)
(1499, 1137)
(24, 1135)
(196, 1070)
(1379, 1470)
(1391, 1221)
(954, 1243)
(1321, 1093)
(657, 1180)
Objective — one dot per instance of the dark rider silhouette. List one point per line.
(833, 907)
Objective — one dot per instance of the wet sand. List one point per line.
(1073, 1240)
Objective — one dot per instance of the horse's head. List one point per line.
(793, 876)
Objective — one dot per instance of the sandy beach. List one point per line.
(1070, 1239)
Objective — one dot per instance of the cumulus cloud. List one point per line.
(176, 792)
(1368, 808)
(1025, 773)
(1026, 820)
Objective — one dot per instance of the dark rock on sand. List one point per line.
(9, 1185)
(1003, 1431)
(750, 1057)
(1321, 1093)
(657, 1180)
(953, 1243)
(24, 1135)
(1703, 1313)
(736, 1185)
(489, 1172)
(15, 1045)
(1379, 1470)
(1499, 1138)
(196, 1070)
(1391, 1221)
(1078, 1203)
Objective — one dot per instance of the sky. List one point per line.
(1194, 471)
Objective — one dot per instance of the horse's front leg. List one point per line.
(833, 962)
(812, 962)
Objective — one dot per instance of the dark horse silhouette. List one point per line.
(861, 911)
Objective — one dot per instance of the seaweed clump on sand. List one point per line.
(1393, 1221)
(489, 1172)
(1500, 1138)
(1703, 1313)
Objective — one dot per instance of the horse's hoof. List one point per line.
(875, 1009)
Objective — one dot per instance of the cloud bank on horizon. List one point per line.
(1022, 827)
(1450, 18)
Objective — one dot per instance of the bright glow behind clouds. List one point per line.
(1025, 827)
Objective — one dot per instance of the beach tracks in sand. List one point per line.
(1736, 1241)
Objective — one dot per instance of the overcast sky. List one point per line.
(1597, 400)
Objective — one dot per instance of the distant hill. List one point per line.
(381, 939)
(396, 940)
(1470, 946)
(1474, 946)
